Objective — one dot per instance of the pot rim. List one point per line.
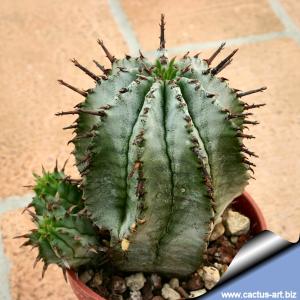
(85, 291)
(247, 206)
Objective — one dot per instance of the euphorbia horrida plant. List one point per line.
(160, 150)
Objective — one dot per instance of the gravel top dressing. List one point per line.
(228, 236)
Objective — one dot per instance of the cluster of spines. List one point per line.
(241, 116)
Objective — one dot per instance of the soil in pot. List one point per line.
(229, 235)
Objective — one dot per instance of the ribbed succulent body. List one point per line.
(64, 235)
(159, 146)
(162, 160)
(160, 150)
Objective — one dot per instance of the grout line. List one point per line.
(250, 39)
(8, 204)
(4, 274)
(128, 33)
(291, 29)
(124, 26)
(14, 202)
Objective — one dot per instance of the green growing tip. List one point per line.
(165, 72)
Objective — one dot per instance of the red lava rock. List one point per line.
(147, 291)
(102, 291)
(224, 258)
(229, 250)
(211, 250)
(155, 281)
(195, 283)
(224, 255)
(242, 240)
(182, 292)
(224, 242)
(221, 251)
(184, 284)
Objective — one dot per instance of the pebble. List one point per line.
(221, 268)
(155, 281)
(136, 281)
(197, 293)
(97, 280)
(158, 298)
(136, 295)
(169, 294)
(219, 220)
(234, 239)
(211, 276)
(236, 223)
(195, 283)
(200, 272)
(118, 285)
(86, 276)
(116, 297)
(217, 232)
(174, 283)
(218, 266)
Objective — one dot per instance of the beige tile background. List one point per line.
(38, 39)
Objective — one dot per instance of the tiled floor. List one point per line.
(38, 39)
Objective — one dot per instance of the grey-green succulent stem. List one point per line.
(160, 150)
(135, 167)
